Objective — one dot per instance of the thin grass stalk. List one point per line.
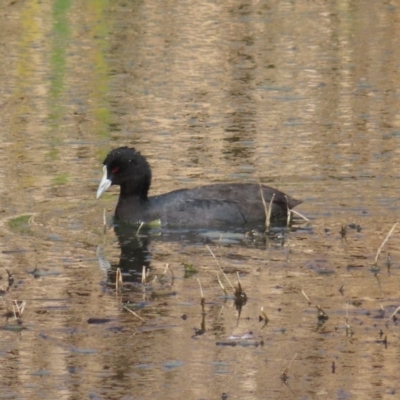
(268, 218)
(223, 273)
(299, 215)
(265, 207)
(222, 286)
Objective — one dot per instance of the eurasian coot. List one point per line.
(216, 204)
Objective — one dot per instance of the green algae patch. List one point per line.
(20, 223)
(153, 224)
(61, 179)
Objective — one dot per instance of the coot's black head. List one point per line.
(127, 168)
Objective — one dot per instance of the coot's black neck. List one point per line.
(135, 189)
(131, 207)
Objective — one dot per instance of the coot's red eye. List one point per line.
(115, 170)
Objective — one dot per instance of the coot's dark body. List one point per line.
(233, 204)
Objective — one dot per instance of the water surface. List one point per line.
(300, 95)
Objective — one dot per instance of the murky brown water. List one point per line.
(303, 95)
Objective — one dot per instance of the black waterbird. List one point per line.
(209, 205)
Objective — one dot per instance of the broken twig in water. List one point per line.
(239, 293)
(289, 212)
(240, 296)
(20, 309)
(166, 269)
(203, 300)
(201, 289)
(322, 316)
(239, 284)
(263, 316)
(104, 221)
(343, 232)
(394, 313)
(269, 214)
(388, 262)
(145, 274)
(133, 312)
(349, 331)
(118, 280)
(307, 298)
(140, 227)
(285, 373)
(383, 243)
